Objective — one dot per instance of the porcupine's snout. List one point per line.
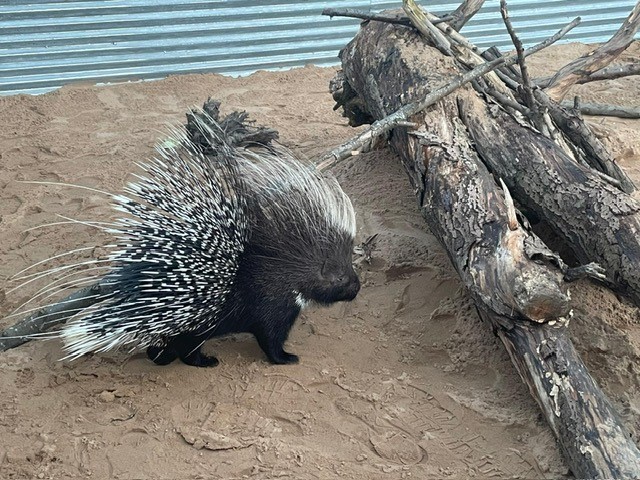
(347, 286)
(336, 285)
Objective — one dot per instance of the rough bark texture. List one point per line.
(600, 223)
(467, 212)
(592, 438)
(386, 68)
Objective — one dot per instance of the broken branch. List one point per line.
(378, 17)
(586, 65)
(536, 115)
(426, 27)
(462, 14)
(611, 73)
(605, 110)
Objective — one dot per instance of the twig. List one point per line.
(507, 102)
(610, 73)
(509, 75)
(352, 13)
(464, 12)
(575, 128)
(529, 99)
(586, 65)
(386, 124)
(377, 17)
(604, 110)
(426, 27)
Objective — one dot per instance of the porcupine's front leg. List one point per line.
(272, 328)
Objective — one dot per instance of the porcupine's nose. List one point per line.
(351, 286)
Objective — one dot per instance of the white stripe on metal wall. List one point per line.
(48, 43)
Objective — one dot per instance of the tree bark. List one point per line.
(458, 196)
(598, 222)
(593, 441)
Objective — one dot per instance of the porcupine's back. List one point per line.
(176, 253)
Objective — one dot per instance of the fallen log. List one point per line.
(598, 222)
(346, 98)
(387, 68)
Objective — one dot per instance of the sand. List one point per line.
(404, 382)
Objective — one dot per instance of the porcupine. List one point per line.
(218, 240)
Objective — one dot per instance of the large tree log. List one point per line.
(599, 223)
(387, 67)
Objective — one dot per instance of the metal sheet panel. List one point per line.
(47, 43)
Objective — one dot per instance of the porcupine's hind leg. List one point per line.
(271, 328)
(162, 355)
(187, 347)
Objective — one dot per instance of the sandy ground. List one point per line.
(404, 382)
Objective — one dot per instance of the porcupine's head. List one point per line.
(303, 228)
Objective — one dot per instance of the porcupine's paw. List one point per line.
(272, 347)
(199, 359)
(162, 355)
(284, 358)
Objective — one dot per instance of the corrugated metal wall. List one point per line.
(47, 43)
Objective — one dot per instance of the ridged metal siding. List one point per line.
(48, 43)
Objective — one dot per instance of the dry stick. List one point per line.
(507, 102)
(464, 12)
(388, 123)
(508, 75)
(426, 27)
(377, 17)
(467, 53)
(605, 110)
(610, 73)
(586, 65)
(537, 116)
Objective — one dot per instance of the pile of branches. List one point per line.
(490, 151)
